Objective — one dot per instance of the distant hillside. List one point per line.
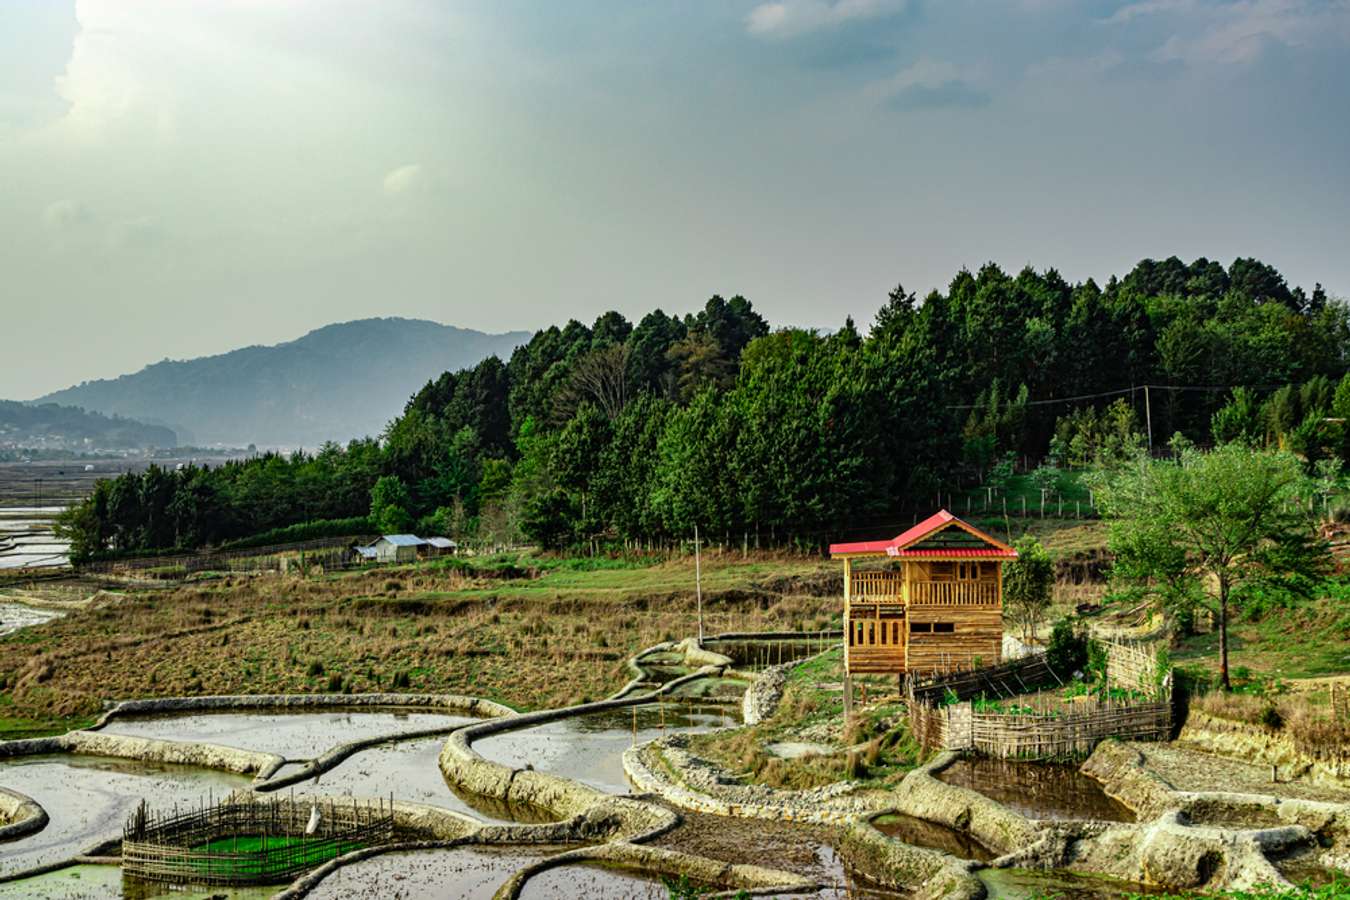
(335, 383)
(50, 427)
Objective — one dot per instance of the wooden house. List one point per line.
(930, 599)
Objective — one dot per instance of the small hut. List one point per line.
(397, 547)
(934, 603)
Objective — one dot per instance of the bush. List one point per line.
(1068, 650)
(1272, 718)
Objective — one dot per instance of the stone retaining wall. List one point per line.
(1252, 743)
(20, 815)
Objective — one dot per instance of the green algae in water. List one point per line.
(1026, 884)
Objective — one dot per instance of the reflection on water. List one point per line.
(85, 881)
(294, 734)
(1038, 790)
(590, 748)
(90, 797)
(921, 833)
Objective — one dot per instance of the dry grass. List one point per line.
(530, 642)
(1307, 718)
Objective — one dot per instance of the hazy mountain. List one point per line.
(48, 426)
(335, 383)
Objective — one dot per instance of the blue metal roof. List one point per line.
(403, 540)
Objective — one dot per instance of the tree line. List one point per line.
(622, 433)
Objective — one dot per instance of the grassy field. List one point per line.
(876, 748)
(527, 632)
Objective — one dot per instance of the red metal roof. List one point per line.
(897, 546)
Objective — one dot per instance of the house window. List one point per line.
(968, 571)
(920, 627)
(942, 570)
(944, 627)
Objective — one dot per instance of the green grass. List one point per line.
(268, 856)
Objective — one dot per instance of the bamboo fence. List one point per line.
(943, 716)
(190, 847)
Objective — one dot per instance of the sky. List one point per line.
(183, 177)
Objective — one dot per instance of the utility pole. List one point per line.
(698, 584)
(1148, 417)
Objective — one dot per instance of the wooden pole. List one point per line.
(698, 583)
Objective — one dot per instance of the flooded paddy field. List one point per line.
(1038, 790)
(27, 539)
(1022, 884)
(85, 881)
(589, 748)
(461, 873)
(293, 734)
(14, 616)
(89, 798)
(922, 833)
(409, 771)
(595, 881)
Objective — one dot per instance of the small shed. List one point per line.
(439, 546)
(360, 553)
(398, 547)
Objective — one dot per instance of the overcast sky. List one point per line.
(182, 177)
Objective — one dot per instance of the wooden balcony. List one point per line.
(953, 593)
(877, 587)
(880, 589)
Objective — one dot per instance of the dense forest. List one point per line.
(621, 433)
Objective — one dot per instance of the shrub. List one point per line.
(1068, 650)
(315, 669)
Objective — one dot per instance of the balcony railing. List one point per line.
(883, 588)
(877, 587)
(954, 593)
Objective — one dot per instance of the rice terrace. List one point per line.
(879, 449)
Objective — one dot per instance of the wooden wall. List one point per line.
(978, 633)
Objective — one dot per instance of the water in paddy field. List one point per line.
(293, 734)
(922, 833)
(89, 798)
(27, 540)
(1023, 884)
(589, 748)
(14, 616)
(461, 873)
(1038, 790)
(84, 881)
(410, 771)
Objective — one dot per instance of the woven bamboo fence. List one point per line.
(942, 715)
(201, 846)
(1133, 666)
(1007, 679)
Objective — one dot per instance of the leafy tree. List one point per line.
(1212, 527)
(1027, 582)
(389, 504)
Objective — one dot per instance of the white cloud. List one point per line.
(789, 18)
(405, 179)
(1239, 32)
(932, 84)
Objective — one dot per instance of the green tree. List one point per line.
(1027, 582)
(1211, 527)
(389, 504)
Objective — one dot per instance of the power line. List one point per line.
(1131, 390)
